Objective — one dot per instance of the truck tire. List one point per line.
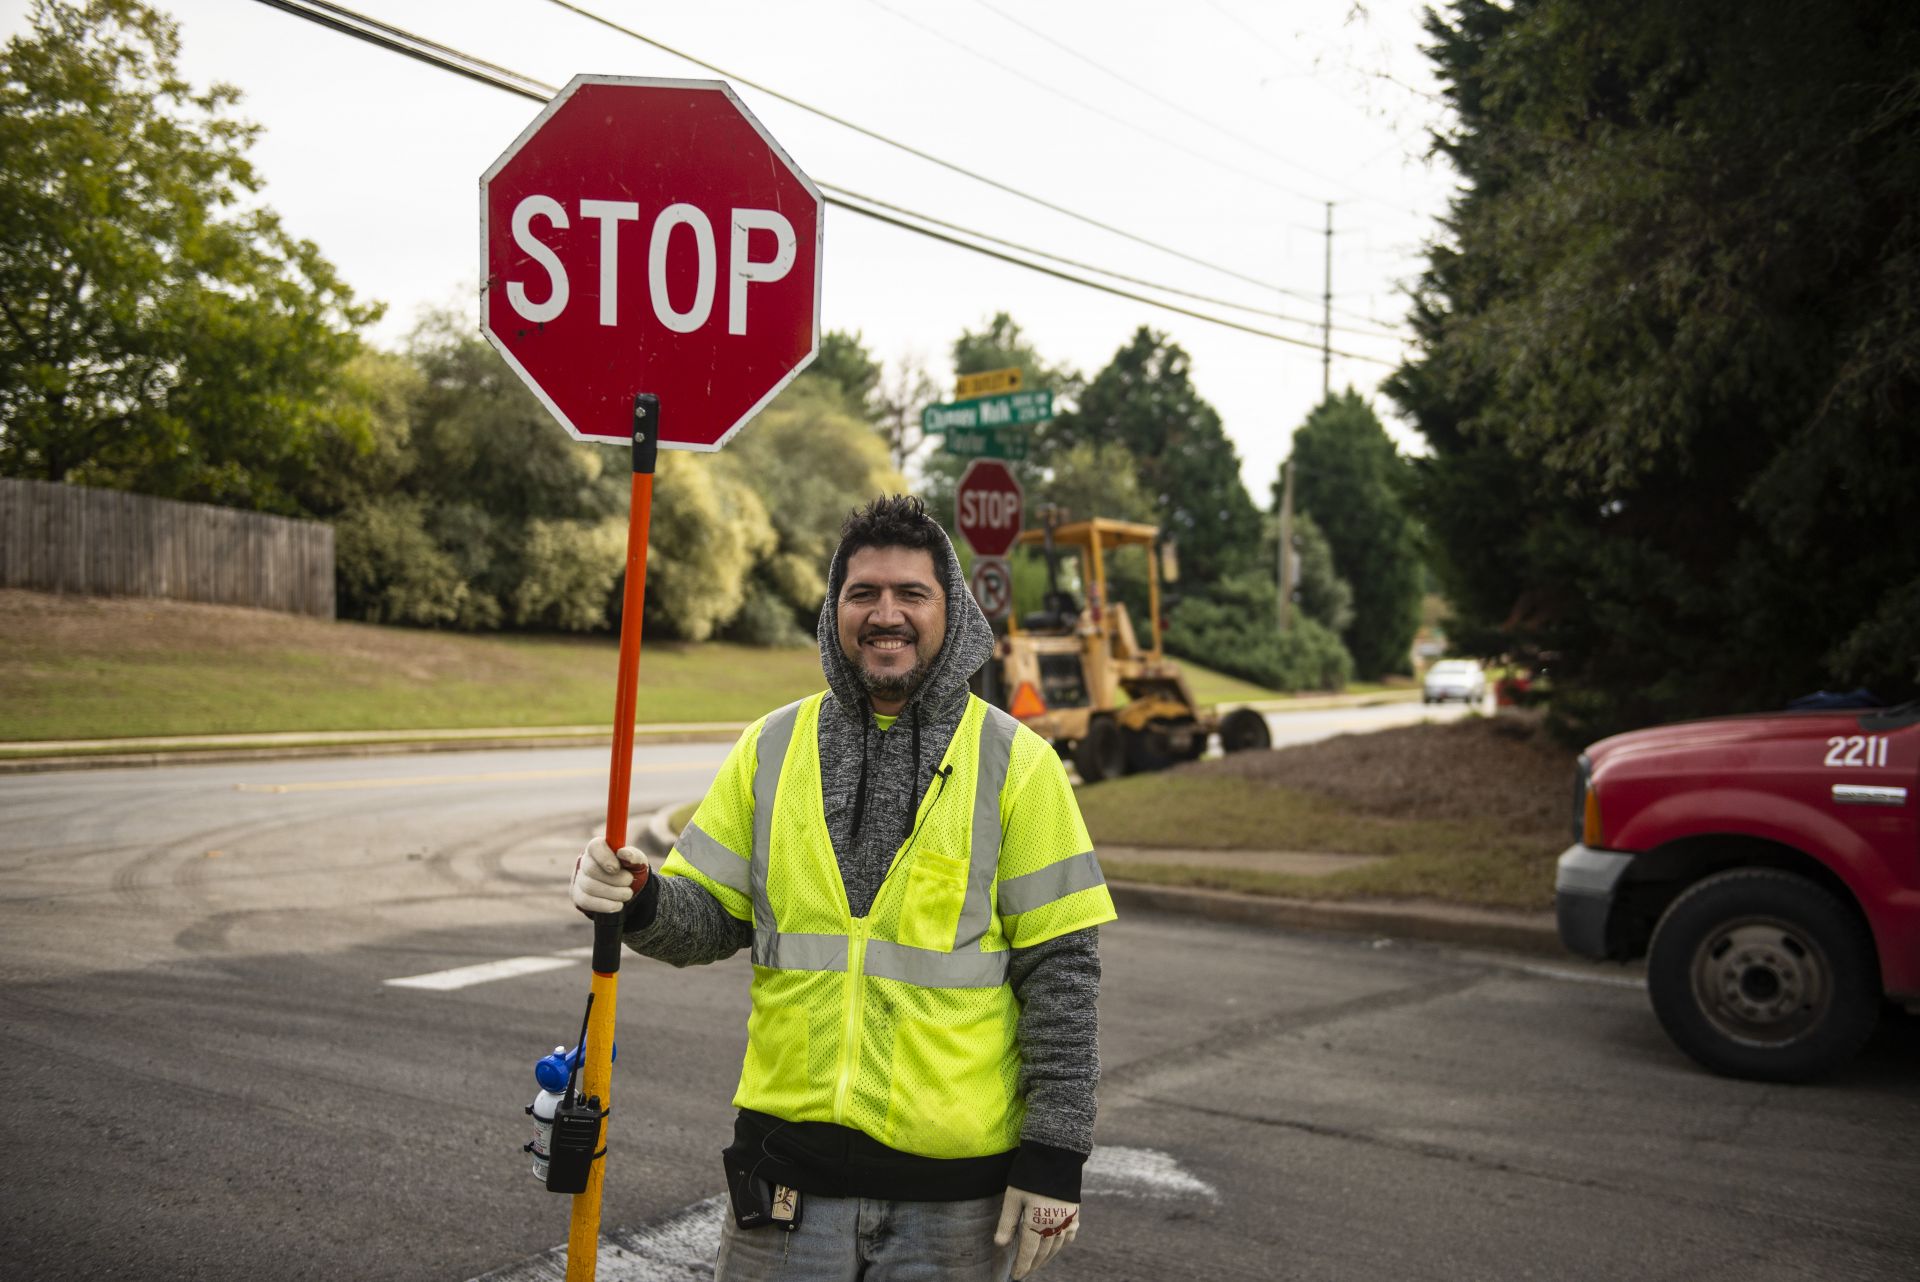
(1243, 729)
(1101, 752)
(1765, 975)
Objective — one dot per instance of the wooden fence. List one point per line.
(66, 538)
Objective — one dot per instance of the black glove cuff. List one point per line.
(1048, 1171)
(642, 908)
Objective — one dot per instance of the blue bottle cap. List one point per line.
(552, 1070)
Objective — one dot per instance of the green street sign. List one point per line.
(987, 442)
(1012, 409)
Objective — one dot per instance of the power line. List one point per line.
(443, 57)
(1104, 271)
(1158, 97)
(1009, 188)
(1047, 86)
(1110, 289)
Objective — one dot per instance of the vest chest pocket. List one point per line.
(936, 892)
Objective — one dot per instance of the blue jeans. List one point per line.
(845, 1239)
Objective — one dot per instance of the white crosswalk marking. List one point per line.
(444, 981)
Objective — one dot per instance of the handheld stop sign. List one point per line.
(650, 268)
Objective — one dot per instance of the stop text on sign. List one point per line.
(989, 510)
(658, 249)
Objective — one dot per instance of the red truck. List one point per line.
(1767, 867)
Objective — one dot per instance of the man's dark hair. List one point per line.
(894, 521)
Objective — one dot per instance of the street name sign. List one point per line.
(992, 583)
(986, 383)
(1014, 409)
(987, 442)
(987, 507)
(647, 235)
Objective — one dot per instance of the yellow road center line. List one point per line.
(490, 776)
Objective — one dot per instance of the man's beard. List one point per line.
(892, 689)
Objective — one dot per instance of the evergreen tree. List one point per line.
(1668, 361)
(1145, 402)
(1348, 477)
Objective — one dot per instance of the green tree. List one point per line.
(162, 331)
(1348, 477)
(1322, 594)
(810, 462)
(1233, 628)
(1668, 359)
(709, 531)
(1145, 402)
(845, 362)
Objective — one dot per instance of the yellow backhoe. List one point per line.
(1076, 672)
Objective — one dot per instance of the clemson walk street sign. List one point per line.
(649, 235)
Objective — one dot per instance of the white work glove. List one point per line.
(604, 882)
(1045, 1225)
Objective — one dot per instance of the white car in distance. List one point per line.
(1461, 679)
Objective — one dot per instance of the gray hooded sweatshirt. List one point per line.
(872, 780)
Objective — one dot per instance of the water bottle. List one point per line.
(552, 1072)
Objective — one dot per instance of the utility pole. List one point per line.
(1286, 543)
(1326, 317)
(1326, 390)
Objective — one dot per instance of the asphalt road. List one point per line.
(212, 1076)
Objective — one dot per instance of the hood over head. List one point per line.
(967, 645)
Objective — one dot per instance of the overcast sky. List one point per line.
(1218, 128)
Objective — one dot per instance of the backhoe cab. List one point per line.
(1076, 672)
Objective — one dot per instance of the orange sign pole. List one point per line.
(596, 1074)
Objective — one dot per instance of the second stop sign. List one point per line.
(649, 236)
(987, 507)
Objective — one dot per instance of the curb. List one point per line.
(206, 756)
(1518, 932)
(1487, 928)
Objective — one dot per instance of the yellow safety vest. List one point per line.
(899, 1023)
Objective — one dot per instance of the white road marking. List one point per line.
(486, 972)
(486, 776)
(681, 1247)
(1141, 1172)
(1578, 977)
(445, 981)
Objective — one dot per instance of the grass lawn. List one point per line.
(92, 668)
(1469, 812)
(88, 668)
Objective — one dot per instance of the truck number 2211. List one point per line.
(1857, 750)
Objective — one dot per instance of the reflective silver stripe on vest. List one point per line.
(799, 952)
(1055, 881)
(707, 855)
(990, 779)
(770, 754)
(929, 969)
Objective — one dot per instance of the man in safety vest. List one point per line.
(911, 873)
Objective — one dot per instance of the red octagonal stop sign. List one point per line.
(649, 236)
(986, 506)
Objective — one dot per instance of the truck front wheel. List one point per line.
(1762, 974)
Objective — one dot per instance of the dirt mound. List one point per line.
(1505, 766)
